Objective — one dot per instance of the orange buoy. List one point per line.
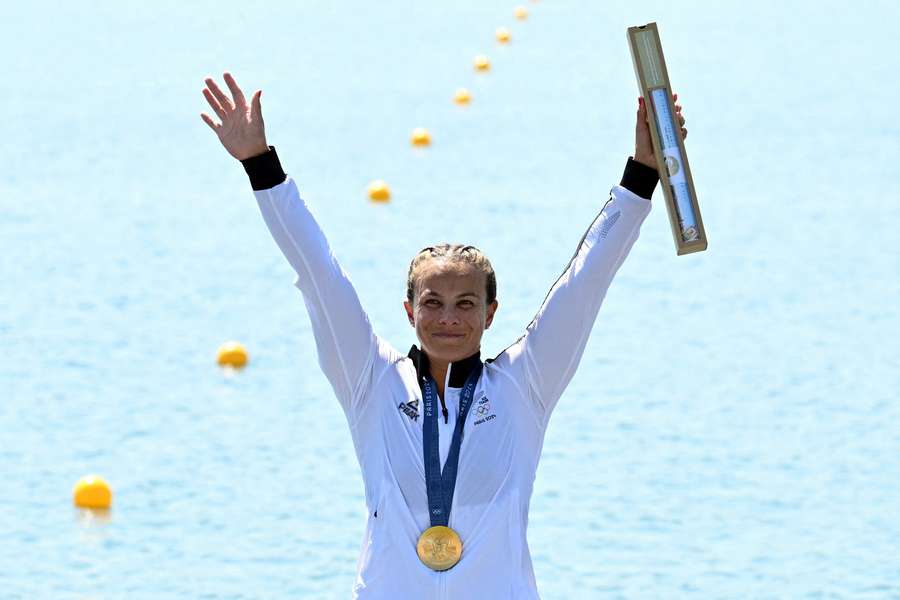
(379, 191)
(232, 354)
(92, 491)
(420, 137)
(462, 96)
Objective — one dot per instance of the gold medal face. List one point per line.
(439, 548)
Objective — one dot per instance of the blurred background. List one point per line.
(732, 430)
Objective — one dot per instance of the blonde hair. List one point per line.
(456, 253)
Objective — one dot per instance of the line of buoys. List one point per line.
(378, 191)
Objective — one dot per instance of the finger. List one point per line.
(677, 108)
(236, 92)
(675, 97)
(214, 103)
(208, 120)
(680, 120)
(683, 133)
(255, 106)
(224, 101)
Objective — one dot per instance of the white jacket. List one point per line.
(379, 390)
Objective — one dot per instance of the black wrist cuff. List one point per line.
(264, 170)
(639, 178)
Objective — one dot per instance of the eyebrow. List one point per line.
(463, 295)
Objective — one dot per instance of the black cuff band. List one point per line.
(639, 178)
(264, 170)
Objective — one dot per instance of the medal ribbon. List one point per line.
(440, 485)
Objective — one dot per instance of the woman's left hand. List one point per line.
(643, 145)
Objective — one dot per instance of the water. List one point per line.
(731, 432)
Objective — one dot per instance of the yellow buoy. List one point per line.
(521, 13)
(92, 491)
(502, 35)
(379, 191)
(462, 96)
(420, 137)
(482, 63)
(232, 354)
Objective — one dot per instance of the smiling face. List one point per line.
(449, 309)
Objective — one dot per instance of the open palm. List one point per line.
(241, 130)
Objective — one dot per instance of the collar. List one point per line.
(459, 370)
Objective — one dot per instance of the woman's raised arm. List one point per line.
(345, 341)
(554, 341)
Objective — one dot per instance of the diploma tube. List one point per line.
(668, 145)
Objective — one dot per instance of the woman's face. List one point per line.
(449, 309)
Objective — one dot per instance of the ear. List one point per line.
(409, 312)
(491, 309)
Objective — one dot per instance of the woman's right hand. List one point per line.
(241, 131)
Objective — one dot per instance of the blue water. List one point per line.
(732, 431)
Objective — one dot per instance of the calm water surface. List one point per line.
(732, 431)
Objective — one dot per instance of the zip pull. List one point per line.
(444, 410)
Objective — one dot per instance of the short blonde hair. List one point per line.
(457, 253)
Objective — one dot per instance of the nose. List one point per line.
(449, 316)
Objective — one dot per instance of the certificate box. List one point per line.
(668, 145)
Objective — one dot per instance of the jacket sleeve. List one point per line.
(345, 341)
(549, 352)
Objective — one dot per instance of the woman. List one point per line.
(448, 445)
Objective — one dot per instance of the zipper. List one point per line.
(446, 386)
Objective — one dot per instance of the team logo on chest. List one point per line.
(410, 409)
(482, 411)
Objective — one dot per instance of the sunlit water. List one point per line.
(732, 431)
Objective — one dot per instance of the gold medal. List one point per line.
(439, 548)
